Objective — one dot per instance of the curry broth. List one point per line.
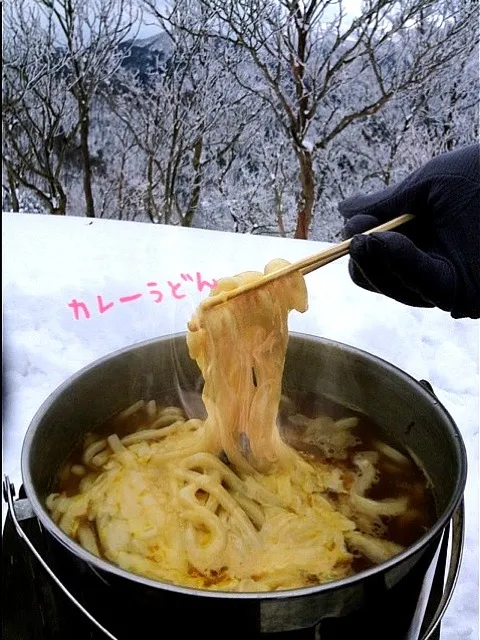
(393, 479)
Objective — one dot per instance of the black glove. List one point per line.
(434, 260)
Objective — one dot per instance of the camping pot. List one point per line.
(407, 409)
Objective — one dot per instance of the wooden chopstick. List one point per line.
(341, 249)
(306, 265)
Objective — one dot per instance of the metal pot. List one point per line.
(405, 407)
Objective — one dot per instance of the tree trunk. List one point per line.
(15, 205)
(197, 184)
(307, 194)
(279, 213)
(121, 180)
(61, 199)
(86, 159)
(151, 211)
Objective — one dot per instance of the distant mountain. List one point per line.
(147, 56)
(159, 42)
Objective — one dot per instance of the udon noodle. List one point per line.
(226, 503)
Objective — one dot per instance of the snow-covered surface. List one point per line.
(48, 262)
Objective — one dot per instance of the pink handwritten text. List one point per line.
(173, 289)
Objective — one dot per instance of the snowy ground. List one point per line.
(155, 277)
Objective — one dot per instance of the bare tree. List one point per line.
(90, 35)
(309, 56)
(409, 130)
(38, 119)
(255, 190)
(186, 120)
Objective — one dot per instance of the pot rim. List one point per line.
(350, 581)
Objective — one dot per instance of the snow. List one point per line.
(308, 145)
(49, 261)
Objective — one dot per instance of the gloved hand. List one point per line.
(434, 260)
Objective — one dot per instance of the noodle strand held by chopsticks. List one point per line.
(229, 342)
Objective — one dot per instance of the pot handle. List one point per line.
(457, 534)
(426, 385)
(8, 494)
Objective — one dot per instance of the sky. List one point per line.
(352, 8)
(148, 28)
(56, 270)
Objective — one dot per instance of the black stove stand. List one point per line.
(34, 608)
